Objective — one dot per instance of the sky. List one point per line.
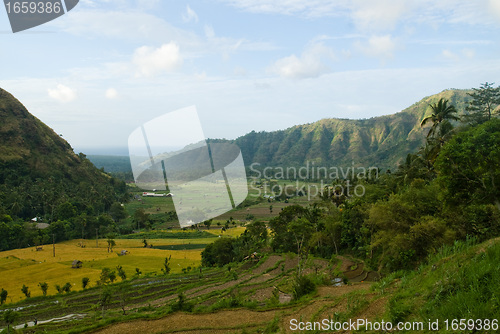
(108, 66)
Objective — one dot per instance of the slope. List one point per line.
(380, 141)
(39, 170)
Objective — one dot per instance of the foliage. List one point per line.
(85, 282)
(219, 253)
(41, 176)
(484, 101)
(462, 286)
(26, 291)
(469, 165)
(303, 285)
(166, 265)
(3, 296)
(67, 287)
(441, 114)
(107, 275)
(111, 242)
(105, 297)
(182, 304)
(10, 316)
(44, 286)
(121, 272)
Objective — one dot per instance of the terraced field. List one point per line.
(251, 297)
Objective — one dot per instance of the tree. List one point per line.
(85, 282)
(301, 229)
(219, 253)
(26, 291)
(106, 276)
(44, 286)
(111, 242)
(469, 165)
(441, 112)
(9, 316)
(140, 217)
(3, 296)
(117, 211)
(121, 272)
(123, 296)
(166, 265)
(207, 223)
(67, 287)
(105, 298)
(65, 211)
(485, 100)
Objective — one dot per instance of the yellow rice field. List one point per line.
(30, 267)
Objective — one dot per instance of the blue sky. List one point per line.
(108, 66)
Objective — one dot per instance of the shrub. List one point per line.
(303, 285)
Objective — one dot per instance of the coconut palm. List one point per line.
(441, 112)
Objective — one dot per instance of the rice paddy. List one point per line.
(30, 267)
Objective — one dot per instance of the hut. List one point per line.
(76, 264)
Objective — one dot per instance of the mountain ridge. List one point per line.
(381, 141)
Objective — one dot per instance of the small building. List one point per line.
(76, 264)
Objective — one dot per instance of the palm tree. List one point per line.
(441, 112)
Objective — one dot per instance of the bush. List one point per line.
(302, 286)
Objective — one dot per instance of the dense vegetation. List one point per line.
(447, 191)
(41, 177)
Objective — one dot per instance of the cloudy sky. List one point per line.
(108, 66)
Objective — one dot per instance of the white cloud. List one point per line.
(150, 61)
(495, 7)
(379, 46)
(209, 31)
(125, 25)
(380, 15)
(447, 54)
(469, 53)
(62, 93)
(111, 93)
(310, 64)
(465, 54)
(190, 15)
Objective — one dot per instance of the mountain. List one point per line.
(379, 141)
(39, 170)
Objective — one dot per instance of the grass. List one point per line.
(459, 282)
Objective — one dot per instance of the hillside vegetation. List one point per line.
(379, 141)
(41, 176)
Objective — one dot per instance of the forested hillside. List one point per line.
(379, 141)
(41, 176)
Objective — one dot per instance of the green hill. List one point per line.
(379, 141)
(39, 170)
